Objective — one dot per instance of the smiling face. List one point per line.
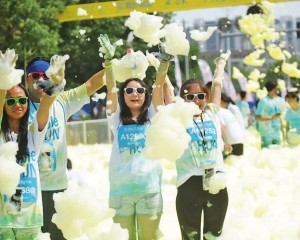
(195, 89)
(17, 110)
(134, 100)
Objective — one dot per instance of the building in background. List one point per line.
(230, 37)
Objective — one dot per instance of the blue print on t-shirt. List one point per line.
(204, 135)
(131, 137)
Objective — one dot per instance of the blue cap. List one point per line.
(37, 66)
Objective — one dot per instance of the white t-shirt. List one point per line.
(206, 145)
(53, 157)
(129, 171)
(237, 113)
(234, 128)
(30, 212)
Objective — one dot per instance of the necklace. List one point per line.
(32, 102)
(201, 131)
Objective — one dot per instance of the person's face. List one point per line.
(273, 92)
(16, 103)
(31, 79)
(134, 95)
(199, 97)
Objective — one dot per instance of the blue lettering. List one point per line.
(53, 122)
(52, 134)
(30, 171)
(32, 156)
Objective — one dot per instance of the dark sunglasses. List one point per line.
(38, 75)
(13, 101)
(191, 96)
(138, 90)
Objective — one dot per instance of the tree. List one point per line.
(30, 27)
(80, 41)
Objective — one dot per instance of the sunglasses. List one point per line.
(191, 96)
(13, 101)
(138, 90)
(38, 75)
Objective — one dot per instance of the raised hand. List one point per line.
(49, 87)
(162, 55)
(106, 47)
(9, 57)
(56, 70)
(9, 76)
(220, 65)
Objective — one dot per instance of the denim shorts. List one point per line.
(128, 205)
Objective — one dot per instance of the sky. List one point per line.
(281, 9)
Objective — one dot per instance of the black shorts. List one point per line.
(192, 200)
(48, 211)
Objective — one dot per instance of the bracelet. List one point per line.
(107, 65)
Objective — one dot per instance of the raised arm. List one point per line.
(169, 96)
(44, 110)
(2, 100)
(158, 97)
(109, 51)
(52, 88)
(95, 82)
(158, 86)
(217, 83)
(112, 93)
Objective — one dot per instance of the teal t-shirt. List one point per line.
(268, 107)
(293, 118)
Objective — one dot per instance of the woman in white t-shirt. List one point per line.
(200, 162)
(135, 182)
(21, 215)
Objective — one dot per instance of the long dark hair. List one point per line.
(22, 139)
(125, 114)
(225, 98)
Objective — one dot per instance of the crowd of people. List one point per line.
(35, 117)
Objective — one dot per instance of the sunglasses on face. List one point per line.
(138, 90)
(13, 101)
(191, 96)
(38, 75)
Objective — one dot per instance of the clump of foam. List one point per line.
(202, 35)
(10, 170)
(168, 126)
(175, 40)
(132, 65)
(146, 26)
(9, 76)
(78, 211)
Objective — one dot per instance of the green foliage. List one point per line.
(80, 41)
(30, 27)
(83, 47)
